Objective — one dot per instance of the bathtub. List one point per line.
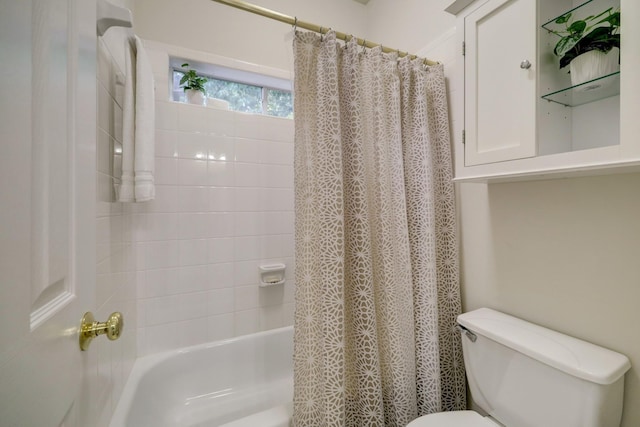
(241, 382)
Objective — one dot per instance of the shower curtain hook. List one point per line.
(346, 42)
(364, 45)
(321, 34)
(295, 24)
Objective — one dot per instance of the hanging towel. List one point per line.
(145, 124)
(138, 153)
(125, 189)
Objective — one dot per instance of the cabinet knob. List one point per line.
(525, 65)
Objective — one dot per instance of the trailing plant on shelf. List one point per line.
(596, 32)
(192, 81)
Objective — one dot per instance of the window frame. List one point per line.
(211, 71)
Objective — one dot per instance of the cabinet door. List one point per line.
(500, 90)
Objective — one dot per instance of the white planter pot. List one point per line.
(195, 97)
(593, 64)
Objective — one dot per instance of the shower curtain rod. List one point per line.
(294, 21)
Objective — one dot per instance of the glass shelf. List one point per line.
(551, 24)
(593, 90)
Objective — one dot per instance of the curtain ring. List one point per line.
(321, 29)
(347, 38)
(295, 24)
(321, 34)
(364, 45)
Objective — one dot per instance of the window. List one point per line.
(248, 98)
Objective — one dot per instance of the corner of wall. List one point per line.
(116, 287)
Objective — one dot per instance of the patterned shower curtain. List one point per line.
(377, 290)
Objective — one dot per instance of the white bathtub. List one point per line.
(240, 382)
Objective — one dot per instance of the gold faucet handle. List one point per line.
(89, 328)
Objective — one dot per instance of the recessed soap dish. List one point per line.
(272, 274)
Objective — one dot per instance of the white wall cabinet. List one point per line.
(500, 82)
(522, 119)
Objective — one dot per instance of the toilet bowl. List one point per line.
(524, 375)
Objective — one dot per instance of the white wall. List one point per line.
(561, 253)
(408, 25)
(210, 27)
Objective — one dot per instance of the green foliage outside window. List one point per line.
(279, 103)
(241, 97)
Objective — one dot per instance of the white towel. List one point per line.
(125, 189)
(138, 154)
(145, 124)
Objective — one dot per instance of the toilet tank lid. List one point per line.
(568, 354)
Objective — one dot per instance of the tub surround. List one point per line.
(224, 206)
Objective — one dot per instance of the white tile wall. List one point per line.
(224, 206)
(116, 255)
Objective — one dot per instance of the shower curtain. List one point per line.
(377, 290)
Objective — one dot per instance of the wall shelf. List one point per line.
(584, 93)
(110, 15)
(458, 5)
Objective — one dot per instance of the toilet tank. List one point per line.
(524, 375)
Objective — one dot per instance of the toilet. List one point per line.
(524, 375)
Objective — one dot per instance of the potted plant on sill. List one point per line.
(590, 46)
(193, 86)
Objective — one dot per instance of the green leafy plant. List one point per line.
(596, 32)
(192, 81)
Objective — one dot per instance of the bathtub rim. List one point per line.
(144, 364)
